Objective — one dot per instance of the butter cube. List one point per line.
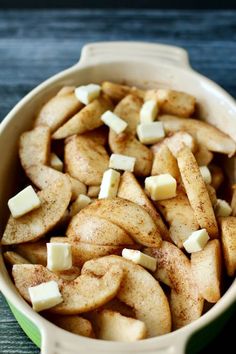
(81, 202)
(110, 184)
(55, 162)
(150, 133)
(161, 187)
(45, 295)
(122, 162)
(114, 122)
(148, 111)
(196, 241)
(140, 258)
(206, 174)
(222, 208)
(59, 256)
(88, 93)
(24, 202)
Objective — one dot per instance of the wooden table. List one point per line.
(35, 44)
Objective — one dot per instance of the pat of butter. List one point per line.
(196, 241)
(122, 162)
(114, 122)
(161, 187)
(55, 162)
(88, 93)
(45, 295)
(148, 111)
(81, 202)
(222, 208)
(150, 133)
(24, 202)
(140, 258)
(206, 174)
(110, 184)
(59, 256)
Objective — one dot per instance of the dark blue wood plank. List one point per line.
(38, 43)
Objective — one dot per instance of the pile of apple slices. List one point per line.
(124, 232)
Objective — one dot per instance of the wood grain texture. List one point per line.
(35, 44)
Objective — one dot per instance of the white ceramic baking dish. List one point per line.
(145, 65)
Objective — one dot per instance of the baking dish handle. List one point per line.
(103, 51)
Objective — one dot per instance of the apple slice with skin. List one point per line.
(133, 218)
(86, 293)
(140, 291)
(130, 189)
(206, 268)
(174, 269)
(34, 225)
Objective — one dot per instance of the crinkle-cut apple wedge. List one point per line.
(117, 91)
(206, 268)
(95, 230)
(83, 252)
(86, 293)
(179, 215)
(42, 176)
(174, 269)
(111, 325)
(126, 144)
(176, 141)
(197, 192)
(73, 323)
(35, 252)
(130, 189)
(228, 239)
(58, 110)
(34, 225)
(12, 258)
(133, 218)
(204, 133)
(140, 291)
(173, 102)
(165, 162)
(34, 147)
(203, 156)
(128, 109)
(85, 160)
(88, 118)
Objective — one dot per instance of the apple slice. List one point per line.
(85, 160)
(74, 324)
(174, 211)
(86, 293)
(174, 269)
(165, 162)
(83, 252)
(228, 231)
(58, 110)
(197, 192)
(133, 218)
(130, 189)
(204, 133)
(34, 147)
(42, 176)
(95, 230)
(206, 268)
(140, 291)
(34, 225)
(88, 118)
